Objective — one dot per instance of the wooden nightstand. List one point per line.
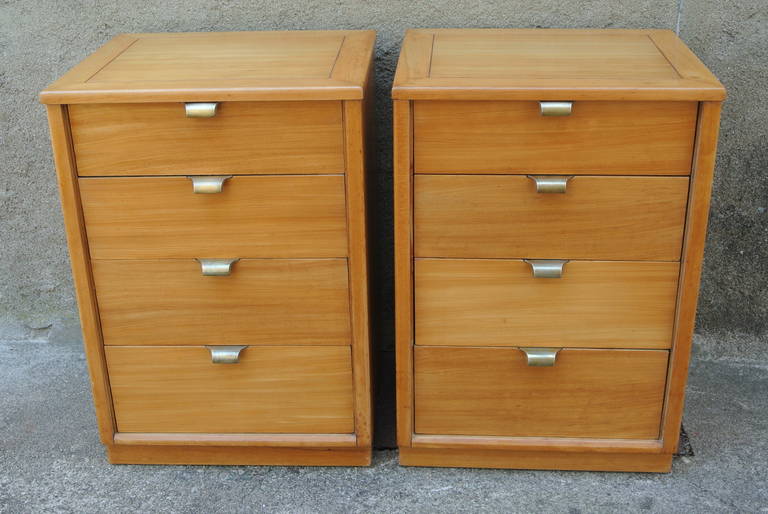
(213, 189)
(551, 198)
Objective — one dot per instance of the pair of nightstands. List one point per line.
(551, 196)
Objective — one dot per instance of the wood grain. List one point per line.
(613, 394)
(220, 66)
(243, 138)
(551, 64)
(358, 269)
(77, 240)
(693, 253)
(614, 138)
(629, 218)
(403, 213)
(431, 457)
(596, 304)
(256, 216)
(539, 444)
(271, 390)
(263, 302)
(266, 440)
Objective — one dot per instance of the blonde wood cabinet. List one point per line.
(213, 189)
(551, 198)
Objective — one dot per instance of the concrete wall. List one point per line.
(40, 40)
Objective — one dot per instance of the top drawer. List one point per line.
(654, 138)
(241, 138)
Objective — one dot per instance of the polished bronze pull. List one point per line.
(541, 356)
(216, 267)
(208, 184)
(556, 108)
(201, 109)
(546, 268)
(225, 354)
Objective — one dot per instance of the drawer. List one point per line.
(243, 137)
(257, 216)
(262, 302)
(598, 304)
(614, 394)
(621, 218)
(270, 390)
(596, 138)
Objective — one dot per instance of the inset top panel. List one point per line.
(551, 64)
(218, 66)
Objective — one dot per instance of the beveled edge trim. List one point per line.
(270, 440)
(559, 444)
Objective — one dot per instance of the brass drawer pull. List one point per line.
(208, 184)
(216, 267)
(541, 356)
(225, 354)
(546, 268)
(201, 109)
(556, 108)
(550, 183)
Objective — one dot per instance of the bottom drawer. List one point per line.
(270, 390)
(615, 394)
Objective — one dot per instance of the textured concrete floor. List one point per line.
(51, 460)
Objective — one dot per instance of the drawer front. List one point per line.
(622, 218)
(262, 302)
(616, 394)
(499, 303)
(161, 217)
(243, 137)
(597, 138)
(270, 390)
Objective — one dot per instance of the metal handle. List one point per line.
(550, 183)
(225, 354)
(208, 184)
(201, 109)
(541, 356)
(546, 268)
(216, 267)
(556, 108)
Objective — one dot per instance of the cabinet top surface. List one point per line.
(550, 64)
(218, 66)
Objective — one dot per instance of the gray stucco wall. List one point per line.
(40, 40)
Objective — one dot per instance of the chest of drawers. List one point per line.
(551, 198)
(213, 189)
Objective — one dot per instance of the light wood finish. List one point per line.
(289, 133)
(237, 455)
(403, 213)
(243, 137)
(432, 457)
(355, 118)
(693, 253)
(266, 440)
(77, 240)
(551, 64)
(612, 394)
(623, 218)
(270, 390)
(615, 138)
(597, 304)
(205, 67)
(641, 138)
(262, 302)
(539, 444)
(161, 218)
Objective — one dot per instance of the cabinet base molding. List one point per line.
(571, 461)
(237, 455)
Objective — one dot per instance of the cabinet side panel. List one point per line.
(81, 268)
(354, 135)
(403, 185)
(690, 274)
